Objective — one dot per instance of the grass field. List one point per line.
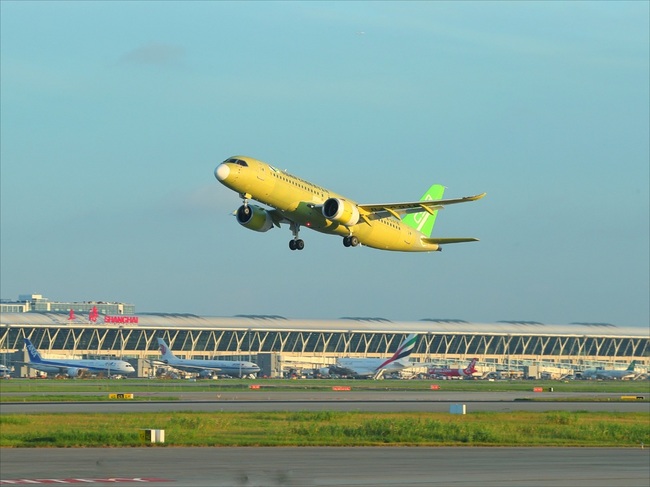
(325, 428)
(328, 428)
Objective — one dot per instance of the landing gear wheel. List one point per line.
(350, 241)
(296, 244)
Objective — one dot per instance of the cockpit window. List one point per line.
(237, 161)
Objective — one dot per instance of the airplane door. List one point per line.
(408, 236)
(267, 183)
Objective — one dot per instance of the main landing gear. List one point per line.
(296, 243)
(350, 241)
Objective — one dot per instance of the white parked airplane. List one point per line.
(5, 371)
(374, 367)
(207, 367)
(620, 374)
(75, 368)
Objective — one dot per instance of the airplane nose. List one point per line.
(221, 172)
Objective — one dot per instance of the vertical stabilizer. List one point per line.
(34, 356)
(404, 350)
(165, 351)
(471, 368)
(632, 366)
(423, 221)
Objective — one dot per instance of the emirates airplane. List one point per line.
(375, 367)
(404, 227)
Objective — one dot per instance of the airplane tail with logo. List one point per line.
(165, 351)
(423, 221)
(404, 350)
(471, 367)
(34, 355)
(632, 366)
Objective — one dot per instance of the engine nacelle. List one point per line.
(324, 371)
(75, 371)
(254, 218)
(341, 211)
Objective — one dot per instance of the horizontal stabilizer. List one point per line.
(442, 241)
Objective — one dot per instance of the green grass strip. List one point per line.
(328, 428)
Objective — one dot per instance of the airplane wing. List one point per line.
(191, 367)
(277, 218)
(419, 365)
(398, 209)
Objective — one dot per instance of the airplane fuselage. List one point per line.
(52, 366)
(302, 202)
(73, 367)
(220, 367)
(367, 366)
(469, 371)
(608, 374)
(450, 372)
(619, 374)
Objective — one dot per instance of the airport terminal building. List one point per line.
(278, 344)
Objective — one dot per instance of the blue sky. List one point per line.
(115, 114)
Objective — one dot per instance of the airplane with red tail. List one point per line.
(469, 371)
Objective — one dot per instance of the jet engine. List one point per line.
(254, 218)
(75, 372)
(341, 211)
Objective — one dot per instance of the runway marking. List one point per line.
(110, 480)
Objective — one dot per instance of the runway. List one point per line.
(360, 467)
(316, 466)
(388, 401)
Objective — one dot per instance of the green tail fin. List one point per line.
(423, 221)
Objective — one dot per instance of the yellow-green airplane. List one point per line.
(402, 227)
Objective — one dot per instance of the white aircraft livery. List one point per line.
(620, 374)
(375, 367)
(75, 368)
(207, 367)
